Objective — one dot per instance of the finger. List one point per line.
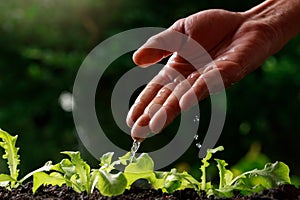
(158, 47)
(170, 109)
(145, 57)
(199, 90)
(156, 104)
(216, 77)
(143, 100)
(165, 76)
(159, 99)
(141, 129)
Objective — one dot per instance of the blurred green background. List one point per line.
(43, 42)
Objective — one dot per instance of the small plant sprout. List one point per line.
(10, 180)
(77, 174)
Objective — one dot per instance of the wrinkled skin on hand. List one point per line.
(237, 44)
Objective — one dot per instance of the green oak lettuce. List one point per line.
(74, 172)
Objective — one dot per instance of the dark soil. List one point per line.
(64, 193)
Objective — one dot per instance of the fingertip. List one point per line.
(140, 129)
(140, 132)
(137, 139)
(139, 60)
(145, 57)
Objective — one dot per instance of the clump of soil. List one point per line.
(24, 192)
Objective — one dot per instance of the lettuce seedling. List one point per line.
(72, 171)
(254, 181)
(13, 159)
(77, 174)
(207, 185)
(8, 143)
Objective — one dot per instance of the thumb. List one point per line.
(158, 47)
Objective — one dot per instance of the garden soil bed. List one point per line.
(64, 193)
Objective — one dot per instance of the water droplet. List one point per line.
(138, 100)
(196, 119)
(135, 146)
(196, 137)
(222, 58)
(194, 75)
(183, 84)
(198, 145)
(178, 80)
(161, 92)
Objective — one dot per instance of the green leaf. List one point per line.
(42, 178)
(206, 164)
(106, 161)
(172, 182)
(57, 167)
(254, 181)
(110, 184)
(77, 170)
(11, 154)
(144, 163)
(177, 181)
(67, 167)
(224, 174)
(108, 165)
(143, 167)
(124, 159)
(159, 180)
(5, 179)
(272, 175)
(94, 180)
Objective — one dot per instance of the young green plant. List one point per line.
(77, 174)
(10, 180)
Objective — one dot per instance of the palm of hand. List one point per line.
(237, 46)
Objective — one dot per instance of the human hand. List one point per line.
(236, 42)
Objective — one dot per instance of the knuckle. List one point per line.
(179, 25)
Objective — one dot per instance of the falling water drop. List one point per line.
(135, 146)
(196, 137)
(196, 119)
(163, 90)
(198, 145)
